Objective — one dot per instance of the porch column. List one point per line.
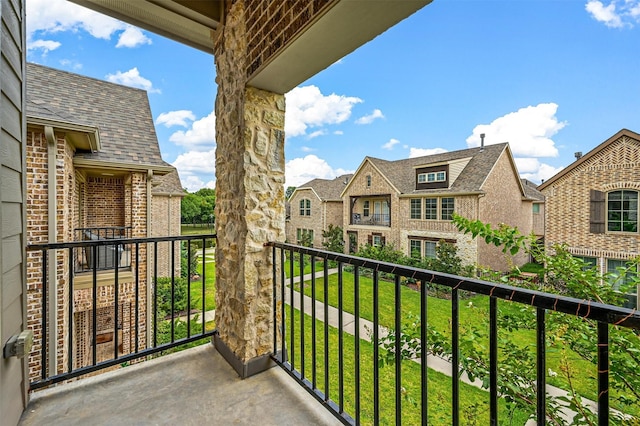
(249, 201)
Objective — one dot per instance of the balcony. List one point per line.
(339, 359)
(376, 219)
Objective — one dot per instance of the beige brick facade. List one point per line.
(499, 198)
(612, 166)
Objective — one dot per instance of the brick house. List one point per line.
(592, 205)
(313, 207)
(94, 171)
(408, 203)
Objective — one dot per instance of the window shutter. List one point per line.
(597, 212)
(370, 240)
(383, 240)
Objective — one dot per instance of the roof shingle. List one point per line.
(122, 114)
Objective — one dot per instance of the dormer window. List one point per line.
(432, 177)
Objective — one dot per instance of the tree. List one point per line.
(332, 239)
(190, 209)
(289, 192)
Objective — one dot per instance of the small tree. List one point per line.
(332, 239)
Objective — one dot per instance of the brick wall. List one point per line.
(165, 221)
(616, 166)
(105, 204)
(274, 24)
(502, 203)
(314, 222)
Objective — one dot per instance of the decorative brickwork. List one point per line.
(250, 195)
(272, 25)
(613, 165)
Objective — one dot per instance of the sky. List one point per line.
(551, 77)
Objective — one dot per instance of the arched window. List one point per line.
(305, 207)
(622, 211)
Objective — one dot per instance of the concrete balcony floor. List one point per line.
(192, 387)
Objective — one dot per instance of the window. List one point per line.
(368, 181)
(589, 262)
(305, 207)
(447, 209)
(432, 177)
(365, 209)
(622, 211)
(416, 208)
(619, 275)
(536, 208)
(304, 237)
(378, 240)
(430, 249)
(415, 249)
(431, 208)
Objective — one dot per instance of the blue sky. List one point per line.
(551, 77)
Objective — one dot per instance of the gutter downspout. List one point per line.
(52, 220)
(149, 262)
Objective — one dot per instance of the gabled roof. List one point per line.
(401, 174)
(588, 156)
(327, 189)
(168, 184)
(531, 190)
(121, 114)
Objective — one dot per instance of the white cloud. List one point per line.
(338, 132)
(45, 45)
(306, 149)
(316, 134)
(54, 16)
(389, 145)
(132, 78)
(302, 170)
(200, 137)
(308, 107)
(368, 119)
(196, 168)
(617, 14)
(528, 131)
(72, 64)
(132, 37)
(422, 152)
(534, 170)
(176, 118)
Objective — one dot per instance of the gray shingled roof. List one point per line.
(531, 190)
(402, 175)
(328, 189)
(121, 114)
(168, 184)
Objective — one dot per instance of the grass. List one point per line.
(210, 286)
(196, 230)
(473, 311)
(474, 403)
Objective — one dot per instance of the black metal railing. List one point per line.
(319, 342)
(106, 256)
(376, 219)
(84, 324)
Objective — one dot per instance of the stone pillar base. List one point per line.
(244, 369)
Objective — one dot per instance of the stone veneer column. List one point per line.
(249, 202)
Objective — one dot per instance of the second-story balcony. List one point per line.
(370, 210)
(336, 350)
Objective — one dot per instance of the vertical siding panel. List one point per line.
(13, 384)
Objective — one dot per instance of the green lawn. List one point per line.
(196, 230)
(473, 310)
(210, 283)
(474, 403)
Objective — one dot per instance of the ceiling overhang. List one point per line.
(86, 138)
(347, 25)
(190, 22)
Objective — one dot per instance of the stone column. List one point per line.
(249, 201)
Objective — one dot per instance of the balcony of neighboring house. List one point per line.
(370, 210)
(337, 357)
